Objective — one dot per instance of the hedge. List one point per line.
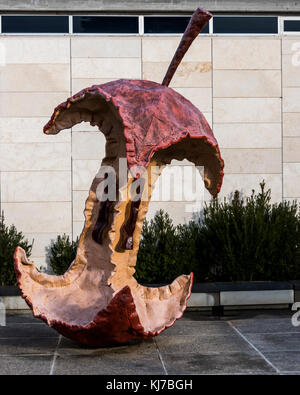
(242, 239)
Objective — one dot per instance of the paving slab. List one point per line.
(216, 363)
(198, 328)
(25, 365)
(266, 325)
(145, 348)
(285, 361)
(275, 342)
(240, 342)
(28, 330)
(28, 346)
(202, 344)
(96, 365)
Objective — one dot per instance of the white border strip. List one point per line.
(288, 18)
(141, 25)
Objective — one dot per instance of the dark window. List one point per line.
(245, 24)
(168, 24)
(35, 24)
(292, 26)
(105, 24)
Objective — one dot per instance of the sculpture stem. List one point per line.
(198, 21)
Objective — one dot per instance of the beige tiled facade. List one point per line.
(247, 112)
(291, 118)
(247, 87)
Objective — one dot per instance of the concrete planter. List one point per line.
(234, 294)
(207, 295)
(252, 293)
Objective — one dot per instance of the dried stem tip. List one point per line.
(198, 21)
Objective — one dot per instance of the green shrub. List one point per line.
(166, 251)
(62, 253)
(239, 240)
(249, 239)
(245, 239)
(10, 239)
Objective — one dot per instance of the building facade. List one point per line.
(244, 75)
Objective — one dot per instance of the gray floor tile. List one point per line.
(27, 330)
(96, 365)
(275, 342)
(145, 348)
(198, 328)
(266, 326)
(25, 365)
(285, 361)
(194, 345)
(216, 363)
(23, 346)
(202, 344)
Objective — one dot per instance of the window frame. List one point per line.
(172, 34)
(107, 34)
(34, 34)
(288, 18)
(247, 34)
(70, 19)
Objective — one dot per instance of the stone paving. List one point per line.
(244, 342)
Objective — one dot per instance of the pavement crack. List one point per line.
(161, 358)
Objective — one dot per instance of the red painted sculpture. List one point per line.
(97, 301)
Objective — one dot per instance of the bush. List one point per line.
(245, 239)
(10, 239)
(239, 240)
(62, 254)
(250, 239)
(166, 251)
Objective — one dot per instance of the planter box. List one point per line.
(206, 295)
(256, 293)
(14, 303)
(238, 298)
(242, 293)
(201, 299)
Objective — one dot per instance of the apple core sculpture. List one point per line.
(97, 301)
